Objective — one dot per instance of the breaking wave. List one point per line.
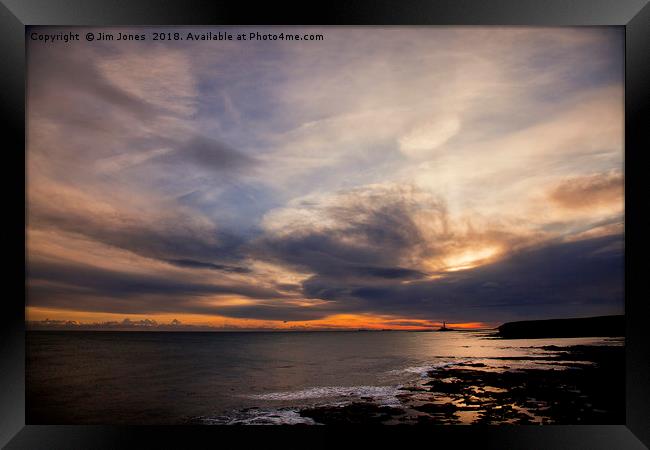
(385, 395)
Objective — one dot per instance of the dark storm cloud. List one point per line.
(192, 264)
(326, 253)
(375, 231)
(355, 263)
(390, 273)
(65, 286)
(560, 279)
(175, 240)
(111, 283)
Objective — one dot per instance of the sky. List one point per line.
(379, 178)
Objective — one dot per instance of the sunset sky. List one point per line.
(380, 178)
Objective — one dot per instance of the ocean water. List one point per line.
(78, 377)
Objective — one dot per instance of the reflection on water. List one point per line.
(115, 377)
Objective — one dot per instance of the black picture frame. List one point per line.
(634, 15)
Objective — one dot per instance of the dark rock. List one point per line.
(354, 413)
(579, 327)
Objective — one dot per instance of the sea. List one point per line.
(111, 377)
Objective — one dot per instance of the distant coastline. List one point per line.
(602, 326)
(178, 327)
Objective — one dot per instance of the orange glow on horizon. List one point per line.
(337, 321)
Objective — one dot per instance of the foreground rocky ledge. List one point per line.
(555, 328)
(582, 385)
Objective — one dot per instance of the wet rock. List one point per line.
(353, 413)
(574, 395)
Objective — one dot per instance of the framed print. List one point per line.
(424, 218)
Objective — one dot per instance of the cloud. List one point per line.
(103, 282)
(206, 153)
(161, 75)
(589, 191)
(380, 172)
(368, 232)
(558, 280)
(422, 140)
(204, 265)
(381, 231)
(69, 73)
(176, 235)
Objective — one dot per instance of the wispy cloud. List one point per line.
(401, 174)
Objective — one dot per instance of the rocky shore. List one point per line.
(563, 385)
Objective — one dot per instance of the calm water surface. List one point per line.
(159, 377)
